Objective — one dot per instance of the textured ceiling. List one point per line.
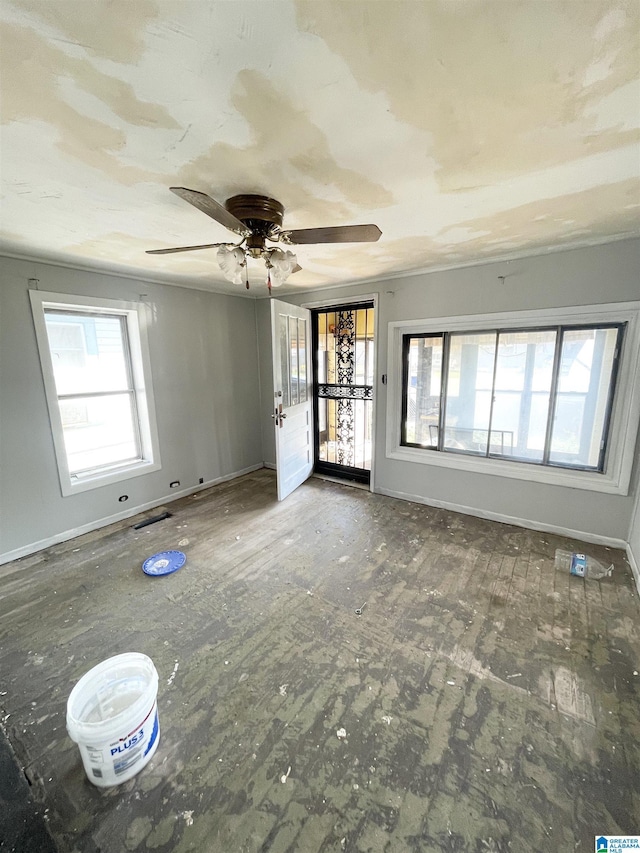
(466, 130)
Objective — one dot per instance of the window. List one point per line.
(487, 394)
(97, 382)
(541, 396)
(293, 361)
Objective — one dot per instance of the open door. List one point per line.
(292, 396)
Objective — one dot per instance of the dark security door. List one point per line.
(343, 346)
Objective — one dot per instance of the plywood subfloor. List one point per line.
(489, 702)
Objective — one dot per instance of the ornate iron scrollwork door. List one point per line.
(344, 354)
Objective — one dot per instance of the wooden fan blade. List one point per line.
(296, 269)
(213, 209)
(184, 249)
(338, 234)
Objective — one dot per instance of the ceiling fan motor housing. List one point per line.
(263, 215)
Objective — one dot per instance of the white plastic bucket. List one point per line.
(112, 715)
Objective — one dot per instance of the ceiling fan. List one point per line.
(258, 218)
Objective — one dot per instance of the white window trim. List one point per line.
(625, 415)
(137, 319)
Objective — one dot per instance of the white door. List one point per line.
(292, 389)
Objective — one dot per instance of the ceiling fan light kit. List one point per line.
(232, 260)
(258, 218)
(281, 264)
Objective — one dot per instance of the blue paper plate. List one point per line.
(164, 563)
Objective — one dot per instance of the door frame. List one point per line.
(354, 301)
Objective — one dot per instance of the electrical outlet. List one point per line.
(201, 480)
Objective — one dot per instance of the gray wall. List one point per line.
(204, 362)
(263, 320)
(599, 274)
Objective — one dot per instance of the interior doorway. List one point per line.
(344, 361)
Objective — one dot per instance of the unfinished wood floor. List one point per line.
(489, 702)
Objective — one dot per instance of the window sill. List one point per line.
(586, 480)
(87, 482)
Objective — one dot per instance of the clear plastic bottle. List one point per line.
(581, 565)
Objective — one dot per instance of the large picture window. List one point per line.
(547, 395)
(98, 389)
(535, 395)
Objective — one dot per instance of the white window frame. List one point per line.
(625, 413)
(136, 318)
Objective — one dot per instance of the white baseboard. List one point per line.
(65, 535)
(491, 516)
(582, 535)
(634, 567)
(270, 465)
